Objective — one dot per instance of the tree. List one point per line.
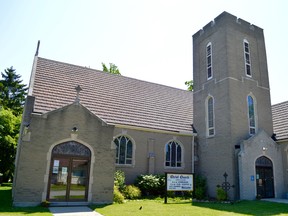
(9, 133)
(113, 69)
(12, 91)
(189, 85)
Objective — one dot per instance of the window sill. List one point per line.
(174, 168)
(125, 165)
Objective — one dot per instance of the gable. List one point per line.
(117, 100)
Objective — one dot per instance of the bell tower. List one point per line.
(231, 95)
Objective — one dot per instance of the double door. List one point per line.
(68, 180)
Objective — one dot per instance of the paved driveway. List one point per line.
(73, 211)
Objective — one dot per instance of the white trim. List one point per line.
(178, 133)
(133, 149)
(245, 60)
(182, 154)
(207, 116)
(255, 113)
(233, 79)
(211, 66)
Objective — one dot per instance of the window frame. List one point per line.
(247, 58)
(210, 118)
(180, 162)
(252, 127)
(209, 66)
(117, 152)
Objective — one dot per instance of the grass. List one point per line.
(183, 208)
(7, 209)
(155, 207)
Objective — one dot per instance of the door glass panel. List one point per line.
(79, 176)
(59, 177)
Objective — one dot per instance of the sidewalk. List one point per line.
(276, 200)
(73, 211)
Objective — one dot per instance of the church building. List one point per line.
(80, 125)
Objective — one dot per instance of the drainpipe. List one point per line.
(192, 156)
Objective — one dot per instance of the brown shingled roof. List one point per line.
(280, 120)
(115, 99)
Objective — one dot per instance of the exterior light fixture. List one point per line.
(264, 148)
(74, 129)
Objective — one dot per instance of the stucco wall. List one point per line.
(252, 149)
(229, 87)
(46, 131)
(284, 150)
(152, 145)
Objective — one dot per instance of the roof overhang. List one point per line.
(179, 133)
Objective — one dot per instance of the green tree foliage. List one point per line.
(12, 98)
(200, 187)
(151, 184)
(12, 91)
(132, 192)
(189, 85)
(9, 133)
(113, 69)
(119, 180)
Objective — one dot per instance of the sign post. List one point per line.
(178, 182)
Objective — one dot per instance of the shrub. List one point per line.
(151, 184)
(200, 187)
(119, 180)
(117, 196)
(221, 194)
(132, 192)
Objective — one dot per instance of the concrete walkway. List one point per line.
(73, 211)
(276, 200)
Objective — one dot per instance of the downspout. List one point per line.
(192, 154)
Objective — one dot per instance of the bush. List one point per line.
(117, 196)
(221, 194)
(132, 192)
(151, 184)
(119, 180)
(200, 188)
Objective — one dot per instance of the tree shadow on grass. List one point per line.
(6, 204)
(247, 207)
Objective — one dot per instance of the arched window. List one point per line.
(173, 154)
(210, 125)
(124, 150)
(247, 58)
(251, 115)
(209, 60)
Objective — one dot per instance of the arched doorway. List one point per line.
(264, 177)
(69, 172)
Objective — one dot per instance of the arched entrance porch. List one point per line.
(264, 177)
(69, 172)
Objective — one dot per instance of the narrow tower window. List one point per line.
(209, 60)
(210, 116)
(251, 115)
(247, 58)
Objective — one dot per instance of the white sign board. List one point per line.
(179, 182)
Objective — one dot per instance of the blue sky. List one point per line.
(149, 40)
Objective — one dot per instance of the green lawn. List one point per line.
(7, 209)
(155, 207)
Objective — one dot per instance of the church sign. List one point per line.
(178, 182)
